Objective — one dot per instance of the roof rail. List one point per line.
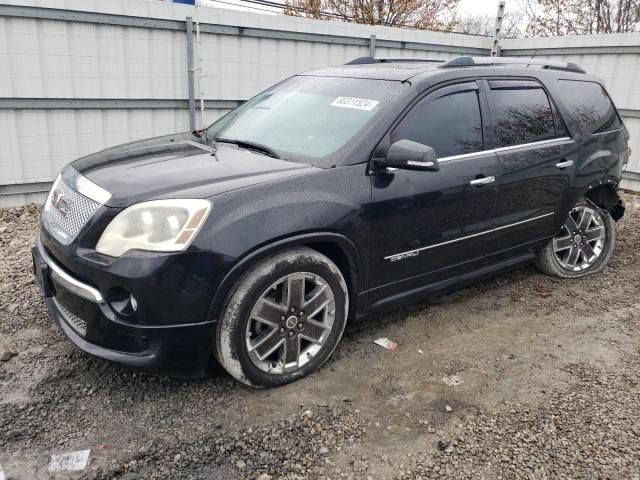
(370, 60)
(479, 61)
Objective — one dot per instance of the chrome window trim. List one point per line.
(62, 278)
(409, 253)
(608, 131)
(465, 155)
(551, 141)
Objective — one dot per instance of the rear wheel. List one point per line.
(583, 245)
(284, 319)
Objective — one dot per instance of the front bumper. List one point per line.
(87, 319)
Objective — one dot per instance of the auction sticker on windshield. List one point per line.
(355, 102)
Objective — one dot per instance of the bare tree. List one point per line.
(423, 14)
(579, 17)
(484, 25)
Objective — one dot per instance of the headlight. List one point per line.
(159, 225)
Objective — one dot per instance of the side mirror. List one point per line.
(409, 155)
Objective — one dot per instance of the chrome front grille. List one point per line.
(67, 211)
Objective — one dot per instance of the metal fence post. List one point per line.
(497, 31)
(372, 46)
(190, 76)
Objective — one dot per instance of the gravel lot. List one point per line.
(522, 376)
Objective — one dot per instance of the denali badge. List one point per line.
(62, 202)
(402, 256)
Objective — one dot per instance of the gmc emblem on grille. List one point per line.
(62, 202)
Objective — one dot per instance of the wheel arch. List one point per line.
(338, 248)
(605, 195)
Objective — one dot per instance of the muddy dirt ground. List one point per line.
(521, 376)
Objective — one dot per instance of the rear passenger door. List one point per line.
(536, 160)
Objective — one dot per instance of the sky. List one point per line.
(477, 7)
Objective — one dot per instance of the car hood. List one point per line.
(179, 166)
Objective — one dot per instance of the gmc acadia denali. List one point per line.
(335, 194)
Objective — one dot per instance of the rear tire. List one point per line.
(582, 247)
(283, 320)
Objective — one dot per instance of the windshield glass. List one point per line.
(308, 119)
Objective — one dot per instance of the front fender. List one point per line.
(320, 207)
(348, 249)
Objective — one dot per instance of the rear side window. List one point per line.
(451, 124)
(523, 113)
(591, 104)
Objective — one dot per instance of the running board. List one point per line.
(421, 293)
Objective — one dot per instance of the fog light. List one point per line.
(122, 302)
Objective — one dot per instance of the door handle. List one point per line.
(564, 164)
(482, 181)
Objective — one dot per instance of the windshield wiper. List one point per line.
(249, 145)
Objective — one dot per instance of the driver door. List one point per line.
(430, 226)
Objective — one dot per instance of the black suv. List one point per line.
(335, 194)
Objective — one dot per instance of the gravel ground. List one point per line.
(521, 376)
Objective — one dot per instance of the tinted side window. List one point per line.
(450, 124)
(591, 104)
(523, 113)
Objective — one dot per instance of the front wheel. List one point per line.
(583, 245)
(284, 319)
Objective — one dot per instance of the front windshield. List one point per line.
(308, 119)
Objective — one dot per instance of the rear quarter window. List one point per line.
(590, 104)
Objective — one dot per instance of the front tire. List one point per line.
(583, 246)
(284, 319)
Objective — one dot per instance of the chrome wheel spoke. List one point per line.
(269, 313)
(560, 244)
(570, 225)
(291, 352)
(585, 219)
(313, 331)
(267, 343)
(572, 258)
(319, 299)
(294, 290)
(588, 251)
(595, 233)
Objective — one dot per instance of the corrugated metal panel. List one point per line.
(48, 58)
(36, 144)
(633, 124)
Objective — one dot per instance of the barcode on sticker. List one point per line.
(355, 102)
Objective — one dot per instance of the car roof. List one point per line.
(423, 70)
(379, 71)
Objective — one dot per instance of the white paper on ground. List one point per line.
(69, 462)
(1, 473)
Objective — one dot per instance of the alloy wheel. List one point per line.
(581, 240)
(290, 323)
